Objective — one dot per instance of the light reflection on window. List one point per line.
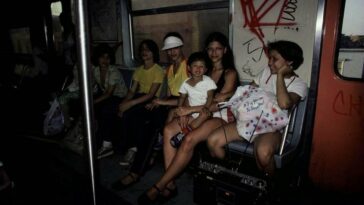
(350, 61)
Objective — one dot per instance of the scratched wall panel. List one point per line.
(255, 24)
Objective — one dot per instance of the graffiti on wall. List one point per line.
(348, 104)
(273, 14)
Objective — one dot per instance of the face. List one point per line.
(277, 62)
(146, 53)
(174, 54)
(198, 68)
(215, 51)
(104, 60)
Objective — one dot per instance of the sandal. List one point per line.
(145, 200)
(172, 193)
(119, 185)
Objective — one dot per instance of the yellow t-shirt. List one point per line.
(146, 78)
(175, 80)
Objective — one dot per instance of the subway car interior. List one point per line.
(50, 157)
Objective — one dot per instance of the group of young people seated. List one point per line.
(189, 113)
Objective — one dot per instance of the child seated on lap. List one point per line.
(199, 90)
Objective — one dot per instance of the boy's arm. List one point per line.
(181, 99)
(193, 109)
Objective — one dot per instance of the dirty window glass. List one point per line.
(194, 26)
(350, 60)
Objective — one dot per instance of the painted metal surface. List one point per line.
(338, 141)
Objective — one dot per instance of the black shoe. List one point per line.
(172, 193)
(145, 200)
(118, 185)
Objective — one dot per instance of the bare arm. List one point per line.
(231, 79)
(285, 99)
(129, 102)
(186, 110)
(108, 92)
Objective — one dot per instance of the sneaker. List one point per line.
(128, 157)
(104, 152)
(159, 144)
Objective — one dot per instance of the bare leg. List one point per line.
(169, 131)
(220, 137)
(185, 153)
(170, 115)
(265, 146)
(202, 117)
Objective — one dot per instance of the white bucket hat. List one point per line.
(172, 42)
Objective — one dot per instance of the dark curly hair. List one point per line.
(290, 51)
(104, 48)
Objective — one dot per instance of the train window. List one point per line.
(142, 4)
(56, 10)
(194, 20)
(350, 60)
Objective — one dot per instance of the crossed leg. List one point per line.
(184, 154)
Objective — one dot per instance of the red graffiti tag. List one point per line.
(253, 17)
(348, 105)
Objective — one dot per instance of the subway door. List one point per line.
(337, 154)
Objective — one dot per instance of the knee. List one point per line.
(167, 132)
(188, 144)
(264, 154)
(212, 144)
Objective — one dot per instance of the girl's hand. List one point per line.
(182, 111)
(183, 121)
(151, 106)
(285, 70)
(219, 97)
(125, 106)
(157, 101)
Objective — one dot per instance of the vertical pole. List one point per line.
(84, 63)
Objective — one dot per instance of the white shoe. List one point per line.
(128, 157)
(104, 152)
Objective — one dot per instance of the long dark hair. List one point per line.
(228, 57)
(153, 47)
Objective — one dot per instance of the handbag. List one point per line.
(256, 112)
(54, 121)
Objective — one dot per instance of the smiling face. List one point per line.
(215, 51)
(197, 68)
(277, 62)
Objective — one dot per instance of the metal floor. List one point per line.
(44, 172)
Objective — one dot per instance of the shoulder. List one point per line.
(138, 69)
(158, 68)
(207, 78)
(299, 86)
(209, 82)
(230, 72)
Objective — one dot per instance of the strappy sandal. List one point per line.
(118, 185)
(145, 200)
(172, 193)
